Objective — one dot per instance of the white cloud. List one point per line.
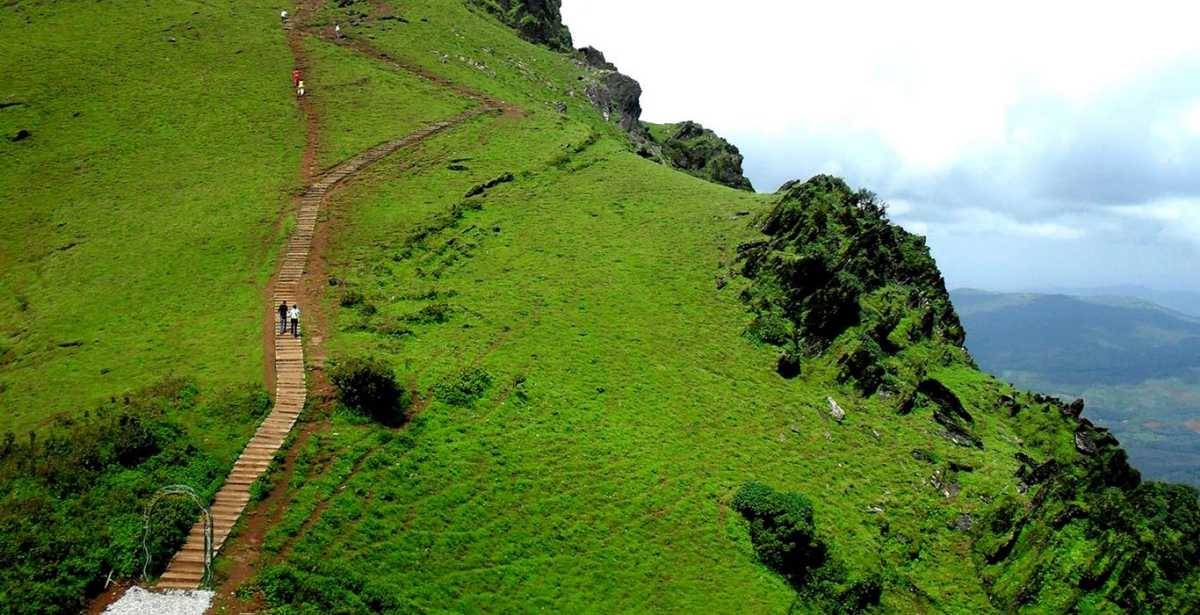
(1001, 131)
(1178, 218)
(1191, 120)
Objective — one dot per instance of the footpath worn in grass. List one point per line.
(140, 215)
(361, 103)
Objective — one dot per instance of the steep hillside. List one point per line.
(1136, 364)
(568, 378)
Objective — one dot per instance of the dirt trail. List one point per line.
(300, 278)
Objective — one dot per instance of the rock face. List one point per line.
(618, 95)
(835, 410)
(699, 151)
(538, 21)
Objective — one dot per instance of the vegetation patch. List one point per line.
(72, 496)
(464, 388)
(785, 539)
(368, 386)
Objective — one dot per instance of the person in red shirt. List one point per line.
(296, 78)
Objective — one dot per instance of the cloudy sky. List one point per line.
(1036, 144)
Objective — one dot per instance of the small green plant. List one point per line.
(468, 386)
(367, 385)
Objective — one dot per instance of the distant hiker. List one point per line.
(283, 317)
(300, 88)
(283, 16)
(337, 32)
(294, 315)
(296, 78)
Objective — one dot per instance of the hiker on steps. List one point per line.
(300, 88)
(294, 315)
(283, 317)
(296, 78)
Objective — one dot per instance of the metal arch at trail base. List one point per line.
(180, 490)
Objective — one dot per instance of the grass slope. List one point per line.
(139, 217)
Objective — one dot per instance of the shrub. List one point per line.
(468, 386)
(368, 386)
(351, 298)
(434, 313)
(781, 529)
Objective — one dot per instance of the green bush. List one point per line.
(781, 529)
(368, 386)
(468, 386)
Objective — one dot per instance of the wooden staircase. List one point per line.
(186, 570)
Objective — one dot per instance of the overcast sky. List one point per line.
(1036, 144)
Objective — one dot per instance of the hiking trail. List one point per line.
(186, 569)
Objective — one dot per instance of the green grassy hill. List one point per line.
(603, 352)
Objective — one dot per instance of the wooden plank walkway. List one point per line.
(186, 570)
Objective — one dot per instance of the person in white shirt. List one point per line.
(337, 32)
(283, 15)
(294, 316)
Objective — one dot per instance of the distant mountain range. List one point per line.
(1136, 363)
(1187, 302)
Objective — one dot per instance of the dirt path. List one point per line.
(300, 279)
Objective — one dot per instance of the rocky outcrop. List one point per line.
(537, 21)
(595, 58)
(696, 150)
(618, 96)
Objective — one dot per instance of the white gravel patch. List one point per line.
(138, 601)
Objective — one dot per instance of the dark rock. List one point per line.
(21, 135)
(5, 105)
(788, 365)
(1025, 459)
(1084, 443)
(963, 523)
(941, 395)
(560, 107)
(1042, 472)
(595, 58)
(961, 467)
(923, 455)
(492, 183)
(1074, 409)
(615, 93)
(722, 282)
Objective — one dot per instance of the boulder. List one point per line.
(1074, 409)
(615, 93)
(1084, 443)
(595, 58)
(835, 410)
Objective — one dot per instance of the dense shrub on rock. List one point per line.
(781, 528)
(831, 260)
(368, 386)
